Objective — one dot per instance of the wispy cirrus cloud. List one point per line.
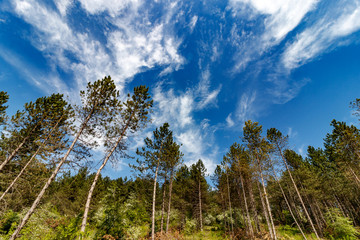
(128, 50)
(281, 16)
(277, 19)
(246, 108)
(113, 7)
(325, 33)
(265, 38)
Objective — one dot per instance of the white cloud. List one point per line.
(245, 108)
(113, 7)
(49, 83)
(135, 51)
(129, 50)
(55, 38)
(63, 5)
(193, 22)
(229, 121)
(291, 133)
(282, 16)
(347, 23)
(325, 33)
(197, 138)
(203, 93)
(302, 150)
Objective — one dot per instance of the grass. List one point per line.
(208, 233)
(291, 233)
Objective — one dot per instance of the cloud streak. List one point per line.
(129, 50)
(343, 20)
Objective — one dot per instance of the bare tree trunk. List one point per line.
(244, 221)
(250, 229)
(253, 207)
(223, 203)
(49, 181)
(31, 159)
(298, 193)
(266, 214)
(231, 219)
(169, 202)
(163, 206)
(154, 201)
(267, 202)
(200, 208)
(2, 165)
(352, 210)
(319, 211)
(292, 203)
(318, 223)
(357, 180)
(288, 204)
(88, 200)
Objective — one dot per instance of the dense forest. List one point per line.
(261, 190)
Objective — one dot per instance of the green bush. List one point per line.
(67, 229)
(339, 227)
(190, 226)
(7, 220)
(123, 220)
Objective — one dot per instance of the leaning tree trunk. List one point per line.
(252, 204)
(298, 193)
(241, 208)
(12, 155)
(163, 206)
(250, 229)
(49, 181)
(267, 202)
(288, 204)
(169, 203)
(8, 159)
(154, 201)
(231, 220)
(357, 180)
(200, 208)
(88, 200)
(317, 220)
(31, 159)
(266, 213)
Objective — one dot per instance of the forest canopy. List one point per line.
(262, 189)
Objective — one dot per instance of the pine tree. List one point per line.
(173, 160)
(4, 97)
(55, 131)
(153, 155)
(197, 173)
(96, 102)
(32, 123)
(132, 118)
(258, 149)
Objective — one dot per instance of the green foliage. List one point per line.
(7, 220)
(190, 226)
(340, 227)
(289, 233)
(128, 219)
(153, 153)
(67, 229)
(3, 99)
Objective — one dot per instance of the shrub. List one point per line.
(7, 220)
(190, 226)
(339, 227)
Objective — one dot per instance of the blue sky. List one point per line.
(210, 65)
